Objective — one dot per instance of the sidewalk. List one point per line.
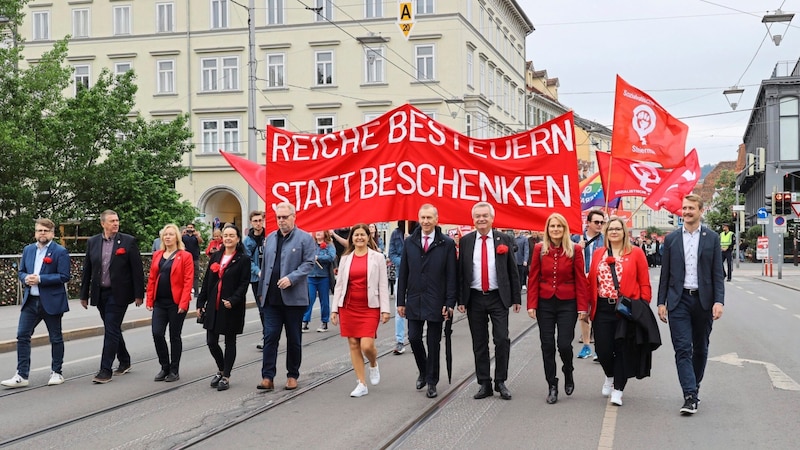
(80, 323)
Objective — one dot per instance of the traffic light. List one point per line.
(777, 204)
(786, 203)
(768, 203)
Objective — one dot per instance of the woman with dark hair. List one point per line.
(361, 303)
(222, 302)
(375, 236)
(319, 281)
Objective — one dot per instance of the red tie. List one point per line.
(484, 265)
(425, 246)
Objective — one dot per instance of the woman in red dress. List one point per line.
(361, 303)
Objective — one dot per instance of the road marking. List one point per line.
(762, 298)
(739, 287)
(780, 307)
(779, 379)
(67, 363)
(797, 315)
(609, 425)
(750, 292)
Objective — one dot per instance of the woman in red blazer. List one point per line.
(557, 296)
(169, 289)
(630, 264)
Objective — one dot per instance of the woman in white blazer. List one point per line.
(361, 303)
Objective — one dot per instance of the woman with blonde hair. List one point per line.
(557, 297)
(361, 303)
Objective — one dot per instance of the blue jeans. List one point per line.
(399, 322)
(321, 286)
(690, 328)
(32, 313)
(277, 318)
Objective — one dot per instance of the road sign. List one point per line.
(796, 208)
(405, 17)
(738, 207)
(779, 224)
(762, 247)
(762, 216)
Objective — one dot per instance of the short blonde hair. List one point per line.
(177, 231)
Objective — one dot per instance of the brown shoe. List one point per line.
(291, 384)
(266, 385)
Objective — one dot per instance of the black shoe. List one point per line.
(420, 382)
(260, 345)
(500, 387)
(160, 376)
(172, 377)
(223, 385)
(431, 391)
(552, 396)
(215, 380)
(122, 369)
(484, 391)
(689, 405)
(102, 377)
(569, 384)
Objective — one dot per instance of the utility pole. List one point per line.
(252, 132)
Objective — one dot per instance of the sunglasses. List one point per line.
(598, 222)
(283, 217)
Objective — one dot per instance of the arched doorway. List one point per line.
(224, 204)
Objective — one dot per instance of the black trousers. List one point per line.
(727, 260)
(557, 315)
(482, 309)
(523, 275)
(165, 313)
(610, 351)
(224, 360)
(427, 363)
(113, 315)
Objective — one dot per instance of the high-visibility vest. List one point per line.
(726, 239)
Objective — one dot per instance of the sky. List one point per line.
(683, 53)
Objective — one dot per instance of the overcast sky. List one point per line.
(683, 53)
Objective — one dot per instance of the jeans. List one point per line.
(399, 322)
(112, 314)
(164, 315)
(276, 318)
(482, 309)
(224, 360)
(319, 286)
(561, 315)
(254, 285)
(690, 328)
(610, 351)
(31, 315)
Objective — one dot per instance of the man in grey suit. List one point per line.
(283, 294)
(692, 292)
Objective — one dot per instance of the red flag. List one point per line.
(628, 177)
(252, 172)
(645, 131)
(677, 185)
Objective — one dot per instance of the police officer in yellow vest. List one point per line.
(726, 242)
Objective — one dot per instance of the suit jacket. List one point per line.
(377, 281)
(181, 278)
(297, 260)
(427, 281)
(711, 282)
(126, 270)
(505, 266)
(235, 281)
(52, 277)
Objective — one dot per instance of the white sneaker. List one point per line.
(608, 385)
(360, 390)
(15, 382)
(374, 375)
(55, 379)
(616, 397)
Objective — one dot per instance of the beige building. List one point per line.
(463, 64)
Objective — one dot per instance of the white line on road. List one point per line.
(607, 430)
(780, 307)
(778, 377)
(750, 292)
(797, 315)
(762, 298)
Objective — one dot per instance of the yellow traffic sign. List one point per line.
(405, 17)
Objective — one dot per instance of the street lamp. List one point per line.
(777, 17)
(733, 94)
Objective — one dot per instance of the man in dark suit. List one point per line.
(489, 283)
(692, 291)
(113, 278)
(427, 290)
(43, 270)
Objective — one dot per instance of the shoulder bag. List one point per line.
(623, 306)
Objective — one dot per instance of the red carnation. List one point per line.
(121, 251)
(610, 260)
(47, 260)
(323, 245)
(502, 249)
(215, 267)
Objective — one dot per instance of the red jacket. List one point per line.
(181, 278)
(635, 281)
(566, 280)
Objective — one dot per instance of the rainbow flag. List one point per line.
(592, 193)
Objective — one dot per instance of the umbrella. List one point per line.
(448, 347)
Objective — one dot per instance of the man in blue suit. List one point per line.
(44, 270)
(692, 291)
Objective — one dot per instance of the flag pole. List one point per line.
(607, 189)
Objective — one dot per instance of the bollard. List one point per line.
(769, 267)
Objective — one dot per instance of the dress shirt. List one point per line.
(37, 265)
(476, 262)
(691, 243)
(430, 239)
(105, 261)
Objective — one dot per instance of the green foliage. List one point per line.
(654, 230)
(720, 209)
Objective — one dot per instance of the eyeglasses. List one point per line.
(283, 217)
(614, 230)
(598, 222)
(44, 231)
(257, 220)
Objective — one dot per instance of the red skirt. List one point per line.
(356, 318)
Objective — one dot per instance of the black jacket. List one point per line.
(126, 270)
(427, 281)
(235, 282)
(641, 337)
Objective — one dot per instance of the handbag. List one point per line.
(623, 305)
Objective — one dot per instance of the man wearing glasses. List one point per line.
(591, 240)
(283, 294)
(254, 244)
(43, 270)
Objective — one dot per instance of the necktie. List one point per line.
(484, 265)
(425, 245)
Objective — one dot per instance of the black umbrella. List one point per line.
(448, 346)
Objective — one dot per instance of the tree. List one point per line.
(720, 210)
(70, 158)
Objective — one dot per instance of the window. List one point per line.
(210, 74)
(220, 134)
(166, 76)
(468, 124)
(482, 76)
(490, 93)
(219, 14)
(470, 69)
(424, 59)
(373, 8)
(122, 67)
(324, 124)
(277, 122)
(122, 20)
(324, 62)
(41, 25)
(424, 7)
(326, 13)
(789, 128)
(165, 17)
(81, 78)
(375, 65)
(276, 70)
(275, 11)
(230, 73)
(80, 23)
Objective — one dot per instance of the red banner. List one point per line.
(628, 178)
(386, 169)
(645, 131)
(669, 194)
